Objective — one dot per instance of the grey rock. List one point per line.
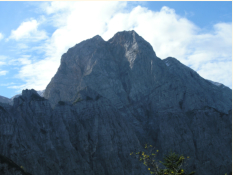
(199, 92)
(17, 95)
(88, 137)
(109, 98)
(40, 93)
(4, 100)
(11, 100)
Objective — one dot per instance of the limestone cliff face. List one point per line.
(87, 137)
(108, 99)
(123, 70)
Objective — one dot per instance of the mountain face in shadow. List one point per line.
(11, 100)
(8, 167)
(109, 98)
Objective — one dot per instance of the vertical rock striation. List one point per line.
(109, 98)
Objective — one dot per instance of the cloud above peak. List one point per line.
(167, 32)
(28, 30)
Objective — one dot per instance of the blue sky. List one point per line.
(34, 35)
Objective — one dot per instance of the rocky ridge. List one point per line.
(4, 99)
(109, 98)
(11, 100)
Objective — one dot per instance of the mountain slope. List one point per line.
(109, 98)
(5, 100)
(11, 100)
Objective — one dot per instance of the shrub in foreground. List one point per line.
(173, 162)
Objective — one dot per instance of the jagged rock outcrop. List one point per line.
(11, 100)
(88, 137)
(108, 99)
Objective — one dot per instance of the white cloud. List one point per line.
(211, 54)
(28, 30)
(168, 33)
(36, 75)
(54, 7)
(7, 84)
(22, 46)
(217, 71)
(22, 60)
(2, 60)
(2, 63)
(3, 57)
(1, 36)
(76, 24)
(3, 72)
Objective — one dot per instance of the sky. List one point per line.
(34, 35)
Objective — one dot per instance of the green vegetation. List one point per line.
(173, 162)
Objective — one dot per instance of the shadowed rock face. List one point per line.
(10, 101)
(8, 167)
(108, 99)
(88, 137)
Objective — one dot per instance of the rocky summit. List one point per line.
(109, 98)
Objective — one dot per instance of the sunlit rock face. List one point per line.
(109, 98)
(123, 70)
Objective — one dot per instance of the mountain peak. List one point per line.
(118, 92)
(30, 95)
(97, 37)
(126, 36)
(27, 93)
(125, 32)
